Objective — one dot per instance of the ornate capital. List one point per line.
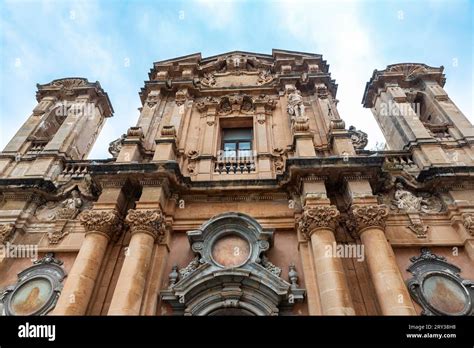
(468, 222)
(150, 221)
(6, 232)
(369, 216)
(105, 222)
(314, 217)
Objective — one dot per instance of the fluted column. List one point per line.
(391, 291)
(317, 224)
(146, 226)
(101, 226)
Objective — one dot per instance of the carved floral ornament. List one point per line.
(105, 222)
(315, 217)
(6, 232)
(366, 216)
(149, 221)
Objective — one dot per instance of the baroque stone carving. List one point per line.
(318, 216)
(208, 80)
(369, 216)
(406, 201)
(116, 145)
(419, 229)
(150, 221)
(270, 266)
(6, 232)
(105, 222)
(190, 295)
(468, 222)
(190, 268)
(295, 106)
(359, 139)
(264, 77)
(67, 209)
(57, 235)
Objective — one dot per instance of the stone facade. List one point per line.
(240, 191)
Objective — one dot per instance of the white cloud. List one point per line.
(336, 30)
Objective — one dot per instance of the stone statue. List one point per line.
(295, 103)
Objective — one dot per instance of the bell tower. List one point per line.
(415, 113)
(63, 126)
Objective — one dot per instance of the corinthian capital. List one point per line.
(314, 217)
(105, 222)
(369, 216)
(150, 221)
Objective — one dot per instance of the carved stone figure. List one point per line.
(70, 207)
(295, 106)
(116, 145)
(359, 139)
(264, 77)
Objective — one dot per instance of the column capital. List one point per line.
(366, 216)
(105, 222)
(316, 217)
(149, 221)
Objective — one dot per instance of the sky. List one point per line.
(116, 42)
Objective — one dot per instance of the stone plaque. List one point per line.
(231, 251)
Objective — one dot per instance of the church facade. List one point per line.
(241, 191)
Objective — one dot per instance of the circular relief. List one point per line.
(231, 251)
(445, 295)
(31, 297)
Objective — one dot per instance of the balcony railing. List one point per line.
(233, 165)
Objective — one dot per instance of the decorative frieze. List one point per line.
(319, 216)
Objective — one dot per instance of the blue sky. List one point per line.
(116, 42)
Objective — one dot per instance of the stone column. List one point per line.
(392, 293)
(317, 224)
(101, 226)
(146, 226)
